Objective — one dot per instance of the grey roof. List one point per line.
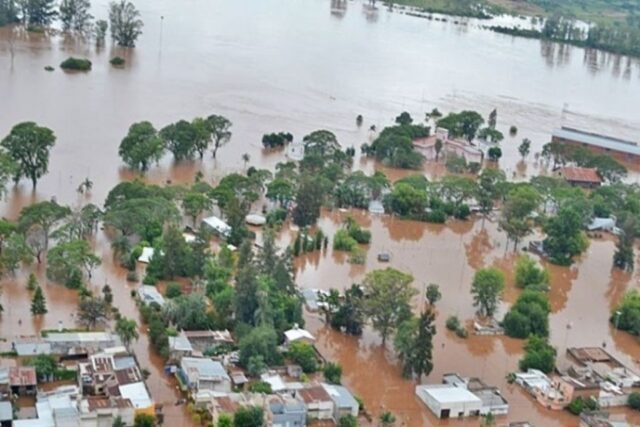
(289, 406)
(180, 343)
(6, 411)
(124, 362)
(32, 348)
(341, 396)
(206, 368)
(596, 140)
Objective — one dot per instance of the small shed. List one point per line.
(255, 219)
(297, 334)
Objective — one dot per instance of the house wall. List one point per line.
(221, 386)
(320, 410)
(495, 409)
(456, 409)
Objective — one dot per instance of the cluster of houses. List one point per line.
(218, 386)
(590, 372)
(109, 383)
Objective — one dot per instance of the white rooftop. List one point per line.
(218, 225)
(276, 382)
(448, 394)
(256, 219)
(296, 334)
(146, 255)
(137, 394)
(79, 336)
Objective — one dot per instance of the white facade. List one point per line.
(447, 401)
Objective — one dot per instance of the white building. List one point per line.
(318, 402)
(447, 401)
(343, 401)
(204, 374)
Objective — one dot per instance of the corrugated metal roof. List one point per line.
(596, 140)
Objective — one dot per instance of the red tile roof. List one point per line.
(314, 394)
(576, 174)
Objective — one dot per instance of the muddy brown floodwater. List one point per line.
(581, 296)
(291, 65)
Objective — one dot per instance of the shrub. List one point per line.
(529, 315)
(261, 387)
(276, 216)
(173, 290)
(580, 404)
(117, 61)
(436, 217)
(453, 323)
(634, 401)
(332, 373)
(513, 130)
(49, 68)
(528, 274)
(462, 212)
(77, 64)
(132, 276)
(342, 241)
(538, 354)
(304, 355)
(358, 256)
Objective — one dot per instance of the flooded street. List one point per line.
(298, 66)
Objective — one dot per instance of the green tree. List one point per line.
(38, 303)
(389, 295)
(565, 238)
(127, 330)
(174, 290)
(45, 365)
(528, 316)
(117, 422)
(433, 294)
(32, 282)
(304, 355)
(92, 311)
(38, 13)
(332, 372)
(144, 420)
(464, 124)
(490, 134)
(320, 142)
(75, 16)
(141, 146)
(524, 148)
(28, 145)
(67, 261)
(487, 288)
(538, 354)
(219, 128)
(202, 135)
(494, 153)
(100, 31)
(248, 416)
(414, 344)
(225, 420)
(195, 203)
(634, 400)
(516, 220)
(627, 314)
(349, 314)
(404, 119)
(406, 200)
(309, 199)
(189, 312)
(260, 341)
(126, 25)
(438, 147)
(179, 138)
(528, 274)
(15, 253)
(489, 188)
(45, 215)
(624, 256)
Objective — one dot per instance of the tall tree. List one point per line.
(219, 127)
(388, 299)
(195, 203)
(624, 256)
(141, 146)
(309, 199)
(246, 303)
(202, 135)
(565, 238)
(433, 294)
(75, 16)
(487, 287)
(125, 22)
(28, 145)
(38, 13)
(524, 148)
(516, 218)
(127, 330)
(92, 311)
(414, 344)
(67, 261)
(38, 303)
(45, 215)
(180, 139)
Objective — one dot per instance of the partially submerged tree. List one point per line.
(141, 146)
(38, 303)
(388, 299)
(487, 287)
(75, 16)
(125, 22)
(219, 128)
(414, 344)
(28, 145)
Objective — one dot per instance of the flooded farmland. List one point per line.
(297, 66)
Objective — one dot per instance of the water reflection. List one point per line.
(338, 8)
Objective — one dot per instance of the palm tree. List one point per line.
(85, 186)
(127, 330)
